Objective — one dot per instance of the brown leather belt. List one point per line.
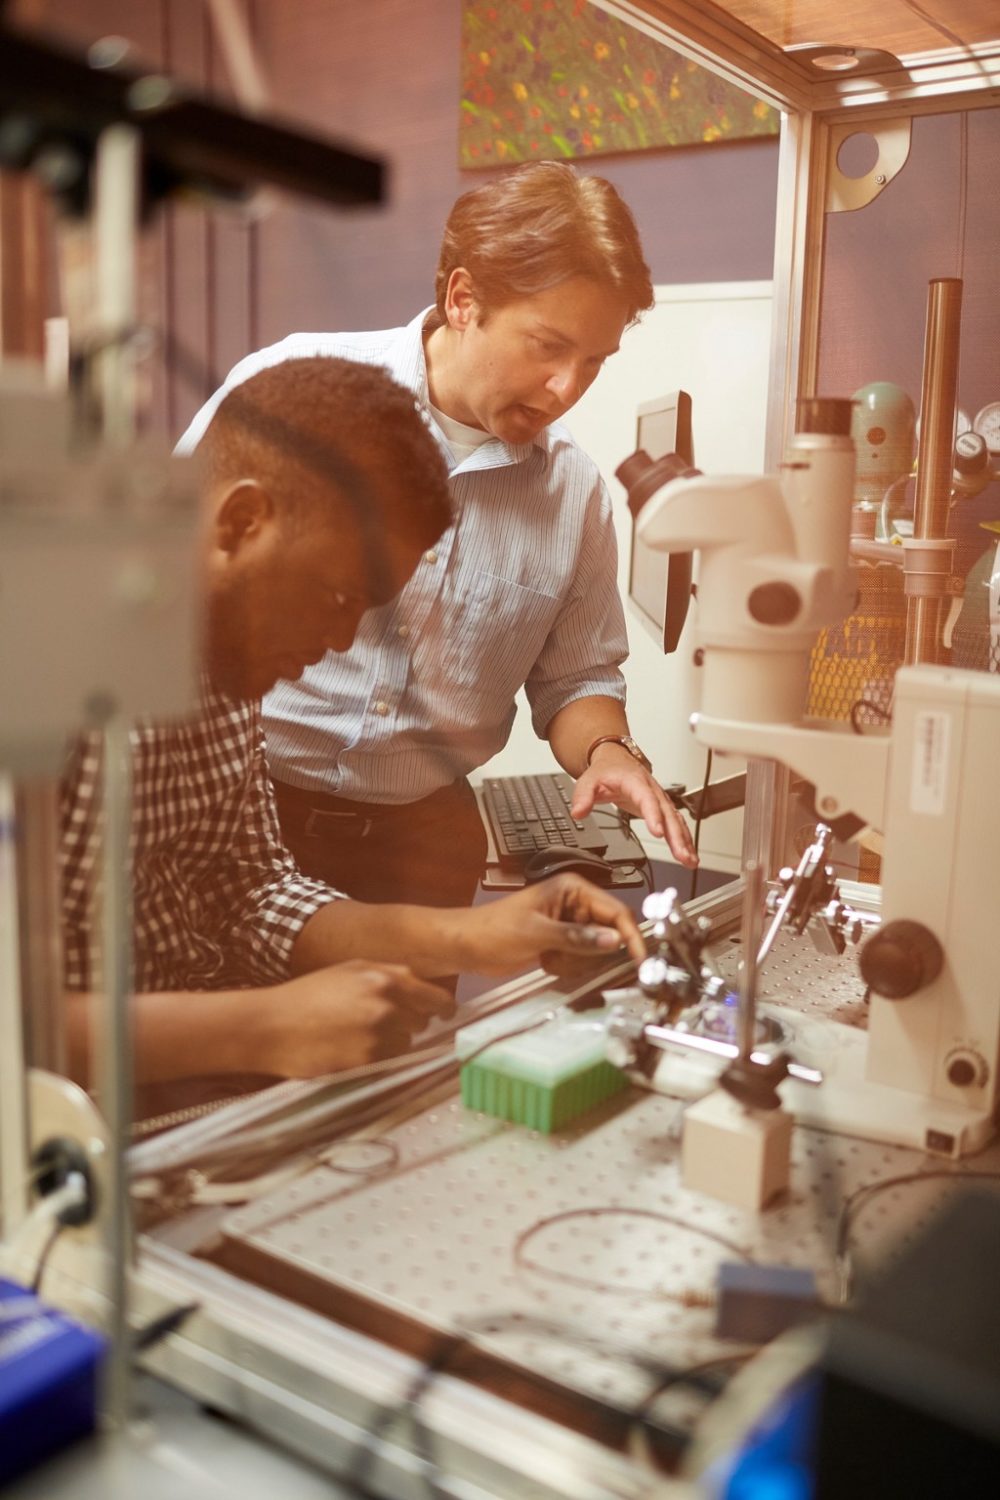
(325, 810)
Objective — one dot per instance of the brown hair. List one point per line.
(335, 439)
(536, 225)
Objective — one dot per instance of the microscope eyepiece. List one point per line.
(642, 476)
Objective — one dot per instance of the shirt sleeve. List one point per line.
(273, 899)
(588, 643)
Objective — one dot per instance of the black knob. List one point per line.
(755, 1084)
(972, 455)
(962, 1071)
(900, 959)
(966, 1068)
(774, 603)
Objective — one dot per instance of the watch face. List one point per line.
(627, 743)
(633, 749)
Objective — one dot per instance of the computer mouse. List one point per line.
(558, 859)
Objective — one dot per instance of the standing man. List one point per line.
(243, 964)
(540, 273)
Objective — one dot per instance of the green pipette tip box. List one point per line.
(544, 1079)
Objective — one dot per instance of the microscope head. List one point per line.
(774, 563)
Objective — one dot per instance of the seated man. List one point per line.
(242, 964)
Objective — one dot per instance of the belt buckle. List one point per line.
(317, 816)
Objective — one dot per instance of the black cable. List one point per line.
(462, 1339)
(46, 1251)
(454, 1343)
(693, 888)
(161, 1327)
(623, 823)
(690, 1375)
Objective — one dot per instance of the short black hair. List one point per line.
(335, 441)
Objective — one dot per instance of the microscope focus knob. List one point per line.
(774, 603)
(966, 1069)
(900, 959)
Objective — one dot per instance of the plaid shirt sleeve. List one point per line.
(269, 898)
(217, 898)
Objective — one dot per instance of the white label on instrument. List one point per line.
(931, 743)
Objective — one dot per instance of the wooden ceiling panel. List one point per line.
(902, 27)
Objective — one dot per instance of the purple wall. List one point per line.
(383, 75)
(387, 74)
(939, 217)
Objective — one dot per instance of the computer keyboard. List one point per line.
(526, 813)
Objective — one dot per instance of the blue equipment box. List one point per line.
(48, 1380)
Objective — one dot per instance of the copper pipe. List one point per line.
(923, 631)
(934, 453)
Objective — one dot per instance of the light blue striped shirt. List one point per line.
(520, 590)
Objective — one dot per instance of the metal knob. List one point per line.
(900, 959)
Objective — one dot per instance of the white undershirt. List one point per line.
(462, 440)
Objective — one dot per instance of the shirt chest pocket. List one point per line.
(491, 630)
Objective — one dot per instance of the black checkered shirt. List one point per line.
(218, 900)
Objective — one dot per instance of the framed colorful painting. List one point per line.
(563, 78)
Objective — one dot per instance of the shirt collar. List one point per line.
(408, 364)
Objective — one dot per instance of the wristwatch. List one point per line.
(627, 743)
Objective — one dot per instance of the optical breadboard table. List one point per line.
(577, 1264)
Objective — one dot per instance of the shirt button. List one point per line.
(430, 555)
(403, 632)
(381, 708)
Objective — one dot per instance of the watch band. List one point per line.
(627, 743)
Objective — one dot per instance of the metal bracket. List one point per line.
(892, 138)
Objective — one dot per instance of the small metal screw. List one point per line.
(880, 179)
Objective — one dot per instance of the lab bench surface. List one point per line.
(553, 1254)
